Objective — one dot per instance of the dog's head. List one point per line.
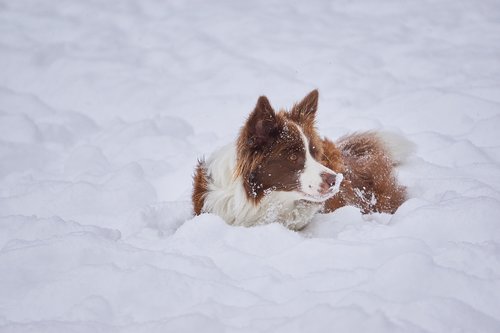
(280, 151)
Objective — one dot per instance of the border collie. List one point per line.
(280, 170)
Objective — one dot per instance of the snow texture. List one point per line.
(106, 105)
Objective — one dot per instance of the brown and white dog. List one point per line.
(280, 170)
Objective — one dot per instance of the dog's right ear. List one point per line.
(305, 111)
(261, 128)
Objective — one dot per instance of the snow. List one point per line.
(105, 107)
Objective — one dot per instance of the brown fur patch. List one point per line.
(369, 180)
(200, 187)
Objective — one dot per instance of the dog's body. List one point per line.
(281, 170)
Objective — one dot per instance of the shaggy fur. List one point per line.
(280, 170)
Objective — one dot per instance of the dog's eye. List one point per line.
(292, 157)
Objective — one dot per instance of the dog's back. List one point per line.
(368, 161)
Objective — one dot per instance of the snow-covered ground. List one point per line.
(106, 105)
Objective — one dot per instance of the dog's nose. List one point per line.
(328, 181)
(328, 178)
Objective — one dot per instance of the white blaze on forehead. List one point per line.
(310, 179)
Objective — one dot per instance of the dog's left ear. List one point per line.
(305, 110)
(261, 128)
